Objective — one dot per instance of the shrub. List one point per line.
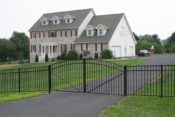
(85, 53)
(96, 55)
(46, 57)
(80, 56)
(36, 58)
(72, 55)
(106, 54)
(63, 56)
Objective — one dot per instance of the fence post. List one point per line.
(84, 75)
(161, 78)
(49, 79)
(19, 81)
(125, 80)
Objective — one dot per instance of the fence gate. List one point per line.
(87, 76)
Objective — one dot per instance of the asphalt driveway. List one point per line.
(69, 104)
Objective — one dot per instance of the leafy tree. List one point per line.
(21, 41)
(169, 45)
(72, 55)
(106, 54)
(7, 50)
(46, 57)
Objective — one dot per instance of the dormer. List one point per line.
(44, 21)
(68, 19)
(101, 29)
(89, 30)
(55, 20)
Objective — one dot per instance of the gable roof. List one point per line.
(111, 21)
(79, 16)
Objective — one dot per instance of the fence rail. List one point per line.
(92, 76)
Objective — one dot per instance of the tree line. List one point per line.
(160, 46)
(14, 48)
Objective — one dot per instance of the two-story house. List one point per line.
(80, 30)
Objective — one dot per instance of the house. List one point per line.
(55, 33)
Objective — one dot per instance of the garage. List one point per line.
(116, 51)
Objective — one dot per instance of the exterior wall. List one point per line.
(122, 40)
(51, 41)
(85, 22)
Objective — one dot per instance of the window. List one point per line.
(81, 47)
(100, 32)
(95, 46)
(39, 35)
(75, 33)
(72, 47)
(55, 20)
(43, 34)
(71, 33)
(67, 20)
(89, 32)
(54, 49)
(101, 46)
(101, 29)
(52, 34)
(65, 33)
(61, 33)
(86, 46)
(44, 21)
(64, 48)
(34, 35)
(39, 48)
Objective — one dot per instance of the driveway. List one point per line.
(69, 104)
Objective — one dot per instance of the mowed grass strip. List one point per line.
(145, 106)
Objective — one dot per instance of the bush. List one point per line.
(80, 56)
(72, 55)
(36, 58)
(106, 54)
(63, 56)
(96, 55)
(46, 57)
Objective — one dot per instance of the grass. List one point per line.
(36, 79)
(6, 97)
(143, 106)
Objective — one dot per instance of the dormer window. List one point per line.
(55, 20)
(68, 19)
(89, 30)
(44, 21)
(101, 30)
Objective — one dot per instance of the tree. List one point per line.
(106, 54)
(7, 50)
(46, 57)
(21, 41)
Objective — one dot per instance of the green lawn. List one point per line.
(143, 106)
(6, 97)
(36, 79)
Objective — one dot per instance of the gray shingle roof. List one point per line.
(111, 21)
(79, 16)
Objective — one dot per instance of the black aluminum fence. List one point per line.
(92, 76)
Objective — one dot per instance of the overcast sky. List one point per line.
(144, 16)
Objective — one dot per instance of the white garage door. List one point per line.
(131, 53)
(116, 50)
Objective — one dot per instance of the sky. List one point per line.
(144, 16)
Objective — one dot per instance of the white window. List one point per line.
(101, 30)
(89, 30)
(44, 21)
(68, 19)
(55, 20)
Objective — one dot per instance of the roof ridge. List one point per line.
(110, 14)
(68, 11)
